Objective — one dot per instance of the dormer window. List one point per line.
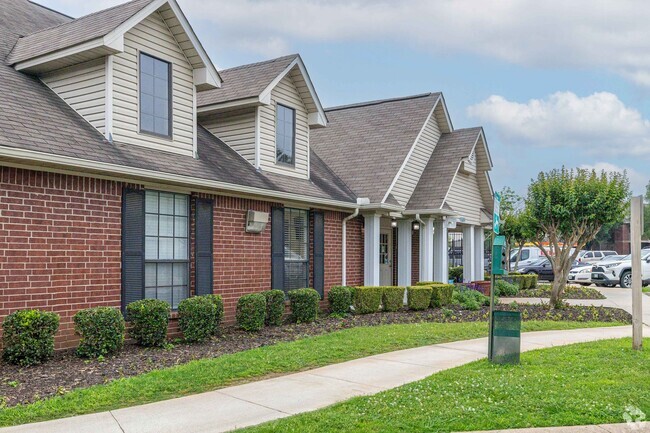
(285, 135)
(155, 96)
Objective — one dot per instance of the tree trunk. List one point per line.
(561, 272)
(521, 245)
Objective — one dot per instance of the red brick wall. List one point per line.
(60, 243)
(354, 253)
(415, 257)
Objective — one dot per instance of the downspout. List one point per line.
(344, 245)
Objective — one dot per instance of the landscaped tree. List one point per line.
(517, 233)
(510, 210)
(567, 208)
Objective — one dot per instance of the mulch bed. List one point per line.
(570, 292)
(66, 371)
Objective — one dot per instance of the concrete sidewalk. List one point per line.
(603, 428)
(257, 402)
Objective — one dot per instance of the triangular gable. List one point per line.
(102, 33)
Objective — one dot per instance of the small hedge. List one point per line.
(441, 295)
(524, 281)
(28, 336)
(392, 298)
(419, 297)
(197, 318)
(217, 300)
(469, 299)
(274, 307)
(431, 283)
(251, 312)
(340, 299)
(304, 305)
(101, 330)
(504, 288)
(367, 299)
(149, 319)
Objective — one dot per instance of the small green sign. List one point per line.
(496, 220)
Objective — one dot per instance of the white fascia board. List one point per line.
(41, 159)
(444, 107)
(265, 96)
(203, 79)
(411, 150)
(239, 103)
(381, 207)
(487, 149)
(112, 46)
(442, 212)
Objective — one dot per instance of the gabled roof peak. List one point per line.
(284, 59)
(382, 101)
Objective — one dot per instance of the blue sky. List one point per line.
(552, 83)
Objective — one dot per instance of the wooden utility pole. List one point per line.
(636, 228)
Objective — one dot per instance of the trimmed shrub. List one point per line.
(340, 299)
(431, 283)
(149, 319)
(251, 312)
(274, 307)
(101, 330)
(392, 298)
(441, 295)
(469, 299)
(217, 300)
(419, 297)
(533, 280)
(304, 305)
(197, 318)
(504, 288)
(366, 299)
(28, 336)
(456, 274)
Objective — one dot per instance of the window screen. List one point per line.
(155, 96)
(166, 249)
(296, 248)
(285, 134)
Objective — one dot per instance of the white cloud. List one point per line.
(612, 35)
(599, 123)
(638, 181)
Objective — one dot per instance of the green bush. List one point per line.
(217, 300)
(419, 297)
(532, 281)
(101, 330)
(366, 299)
(456, 273)
(340, 299)
(274, 307)
(197, 318)
(28, 336)
(504, 288)
(441, 295)
(469, 299)
(149, 319)
(431, 283)
(392, 298)
(251, 312)
(304, 305)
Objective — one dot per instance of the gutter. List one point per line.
(344, 245)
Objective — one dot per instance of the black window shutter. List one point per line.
(277, 248)
(132, 246)
(319, 253)
(203, 242)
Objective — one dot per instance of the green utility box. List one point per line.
(506, 337)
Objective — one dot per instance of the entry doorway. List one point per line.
(386, 257)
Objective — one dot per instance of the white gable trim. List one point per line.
(456, 173)
(444, 108)
(317, 118)
(411, 150)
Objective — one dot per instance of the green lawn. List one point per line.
(209, 374)
(581, 384)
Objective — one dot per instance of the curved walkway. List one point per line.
(257, 402)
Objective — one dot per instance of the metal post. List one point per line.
(491, 305)
(636, 224)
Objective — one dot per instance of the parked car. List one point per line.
(543, 269)
(594, 256)
(529, 255)
(609, 274)
(580, 275)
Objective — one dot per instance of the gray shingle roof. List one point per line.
(441, 168)
(33, 117)
(379, 133)
(73, 32)
(245, 81)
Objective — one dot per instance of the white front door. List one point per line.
(386, 257)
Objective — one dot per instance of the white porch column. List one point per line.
(440, 253)
(426, 250)
(371, 249)
(479, 252)
(404, 252)
(469, 246)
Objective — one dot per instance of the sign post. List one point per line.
(496, 227)
(636, 228)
